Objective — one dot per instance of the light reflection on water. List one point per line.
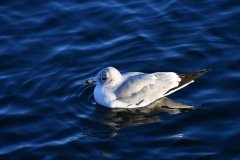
(49, 47)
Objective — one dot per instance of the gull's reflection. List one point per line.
(117, 118)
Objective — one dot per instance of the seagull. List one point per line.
(137, 89)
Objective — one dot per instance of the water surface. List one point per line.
(48, 48)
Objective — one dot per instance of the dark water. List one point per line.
(47, 48)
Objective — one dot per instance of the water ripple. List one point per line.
(48, 49)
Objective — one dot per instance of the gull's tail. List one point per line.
(187, 79)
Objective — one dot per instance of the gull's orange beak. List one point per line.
(89, 81)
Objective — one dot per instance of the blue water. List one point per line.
(48, 48)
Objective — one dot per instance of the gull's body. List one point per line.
(136, 89)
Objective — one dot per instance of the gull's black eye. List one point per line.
(103, 78)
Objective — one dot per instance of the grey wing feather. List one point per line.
(146, 87)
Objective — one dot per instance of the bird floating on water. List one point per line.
(137, 89)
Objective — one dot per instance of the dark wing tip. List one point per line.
(205, 70)
(186, 78)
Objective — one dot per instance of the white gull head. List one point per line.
(109, 77)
